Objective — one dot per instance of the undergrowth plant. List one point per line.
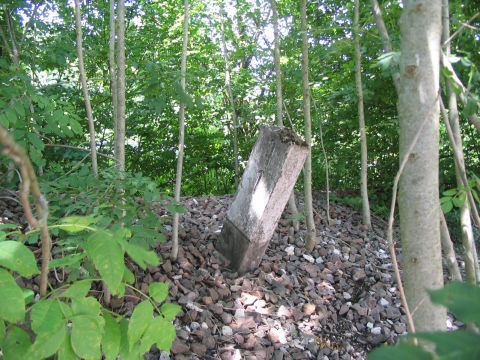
(463, 300)
(94, 228)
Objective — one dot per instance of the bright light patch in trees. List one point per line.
(259, 198)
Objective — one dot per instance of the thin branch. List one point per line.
(460, 29)
(30, 184)
(474, 120)
(29, 23)
(5, 42)
(79, 149)
(460, 165)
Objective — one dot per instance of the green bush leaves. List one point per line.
(12, 303)
(107, 255)
(464, 301)
(17, 257)
(140, 320)
(158, 291)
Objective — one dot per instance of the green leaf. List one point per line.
(8, 227)
(78, 289)
(401, 351)
(46, 316)
(159, 332)
(462, 299)
(165, 333)
(108, 257)
(65, 352)
(47, 344)
(127, 352)
(176, 208)
(140, 320)
(450, 192)
(11, 117)
(475, 195)
(128, 276)
(75, 224)
(16, 344)
(142, 256)
(35, 141)
(67, 260)
(447, 206)
(17, 257)
(4, 121)
(459, 344)
(28, 296)
(2, 332)
(86, 306)
(459, 200)
(12, 303)
(169, 311)
(158, 291)
(111, 338)
(86, 337)
(471, 107)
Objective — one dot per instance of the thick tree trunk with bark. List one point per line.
(272, 170)
(86, 96)
(181, 133)
(278, 91)
(310, 238)
(361, 119)
(418, 196)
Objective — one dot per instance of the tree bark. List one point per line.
(468, 242)
(120, 134)
(448, 250)
(228, 85)
(382, 29)
(86, 96)
(361, 119)
(181, 135)
(418, 195)
(113, 75)
(310, 239)
(278, 91)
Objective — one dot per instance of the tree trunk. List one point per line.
(325, 157)
(448, 250)
(113, 75)
(471, 259)
(310, 238)
(120, 131)
(278, 90)
(86, 96)
(181, 135)
(418, 195)
(361, 119)
(228, 85)
(382, 29)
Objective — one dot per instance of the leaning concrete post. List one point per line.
(268, 180)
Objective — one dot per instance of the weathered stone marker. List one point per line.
(272, 170)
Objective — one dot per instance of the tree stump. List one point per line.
(272, 170)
